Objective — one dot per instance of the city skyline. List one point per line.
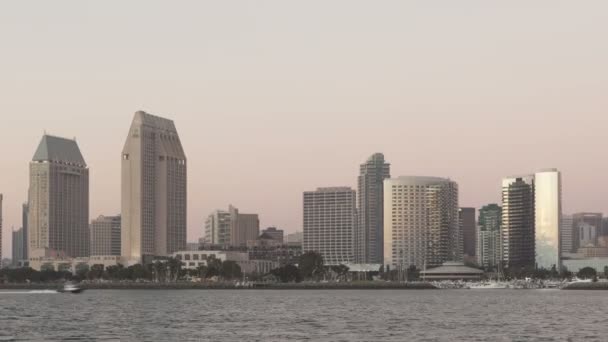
(247, 97)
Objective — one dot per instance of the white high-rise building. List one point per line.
(421, 223)
(154, 192)
(217, 228)
(566, 234)
(548, 217)
(58, 218)
(329, 223)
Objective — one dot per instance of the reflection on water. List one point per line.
(349, 315)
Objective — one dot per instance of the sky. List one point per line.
(273, 98)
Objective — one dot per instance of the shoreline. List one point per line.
(229, 286)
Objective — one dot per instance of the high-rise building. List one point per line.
(468, 228)
(105, 235)
(329, 223)
(217, 228)
(295, 238)
(24, 225)
(518, 246)
(421, 225)
(566, 234)
(58, 198)
(276, 234)
(154, 205)
(18, 247)
(548, 216)
(586, 228)
(1, 198)
(243, 227)
(489, 240)
(532, 214)
(368, 238)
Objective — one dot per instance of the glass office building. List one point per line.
(548, 213)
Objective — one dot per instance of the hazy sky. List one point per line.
(272, 98)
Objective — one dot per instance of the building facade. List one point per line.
(217, 228)
(518, 222)
(276, 234)
(567, 234)
(586, 228)
(548, 216)
(368, 238)
(329, 223)
(1, 199)
(19, 246)
(421, 225)
(243, 227)
(153, 199)
(468, 227)
(58, 200)
(105, 235)
(489, 240)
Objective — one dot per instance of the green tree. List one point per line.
(96, 272)
(587, 273)
(174, 267)
(413, 273)
(311, 265)
(287, 274)
(341, 271)
(231, 270)
(47, 266)
(82, 268)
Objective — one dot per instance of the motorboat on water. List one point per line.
(489, 285)
(71, 288)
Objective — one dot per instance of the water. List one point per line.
(314, 315)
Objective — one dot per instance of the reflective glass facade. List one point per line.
(548, 212)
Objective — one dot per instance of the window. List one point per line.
(125, 156)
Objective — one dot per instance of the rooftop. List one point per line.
(52, 148)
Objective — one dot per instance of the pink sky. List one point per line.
(272, 98)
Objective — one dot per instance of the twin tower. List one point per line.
(153, 194)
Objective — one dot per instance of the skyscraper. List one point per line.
(24, 225)
(532, 214)
(548, 216)
(105, 235)
(329, 223)
(489, 241)
(421, 222)
(18, 250)
(518, 243)
(468, 228)
(58, 200)
(153, 189)
(370, 227)
(1, 198)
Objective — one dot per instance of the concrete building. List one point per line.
(24, 225)
(329, 223)
(105, 235)
(566, 234)
(295, 238)
(518, 246)
(368, 238)
(1, 199)
(421, 222)
(19, 247)
(276, 234)
(58, 200)
(455, 271)
(154, 173)
(217, 228)
(489, 240)
(586, 228)
(243, 227)
(468, 228)
(64, 263)
(548, 217)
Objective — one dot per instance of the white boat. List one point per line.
(71, 288)
(488, 285)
